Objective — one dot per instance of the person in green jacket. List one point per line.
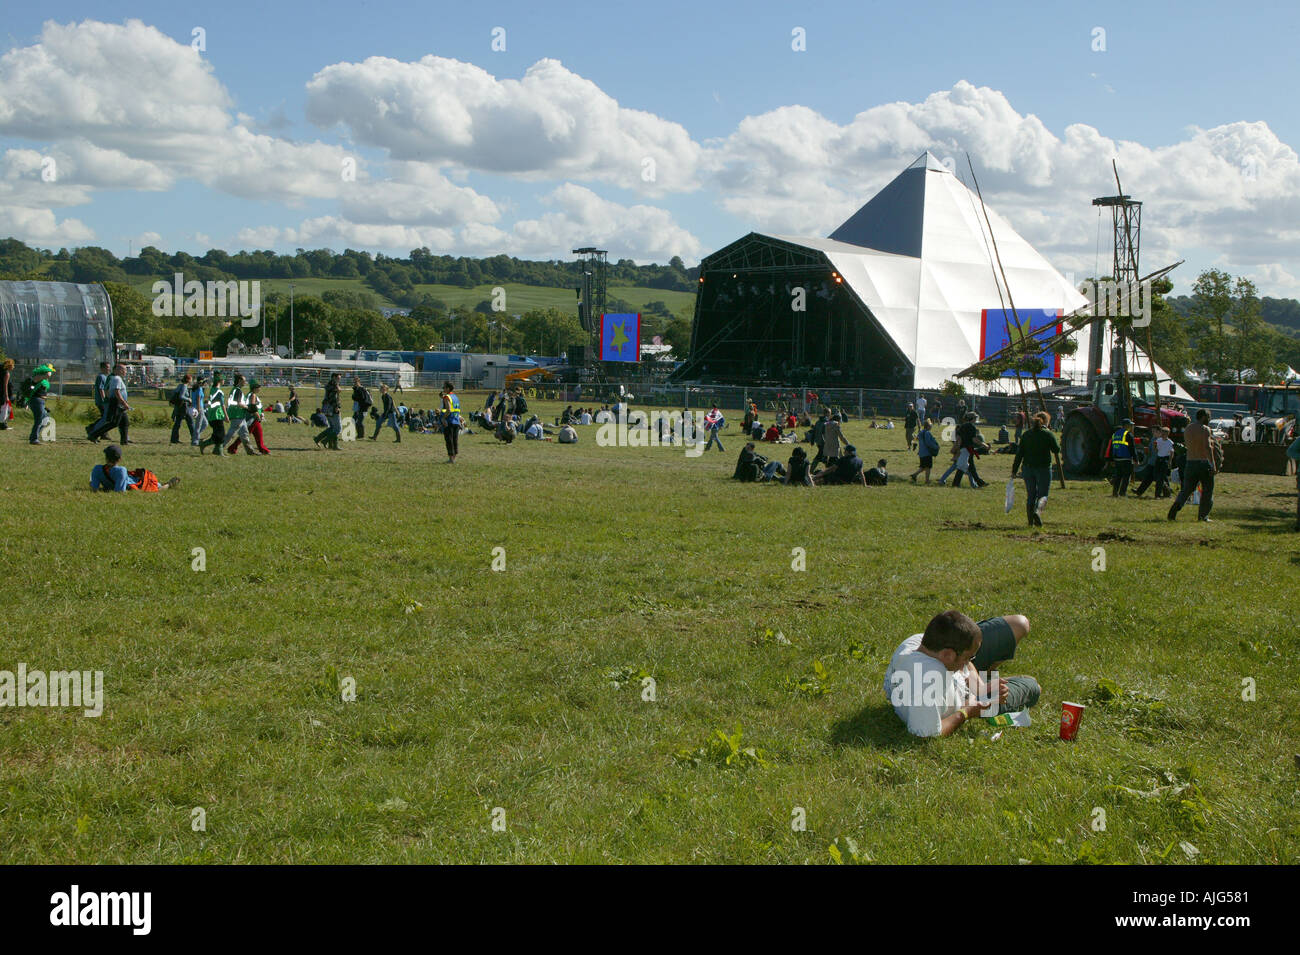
(1036, 449)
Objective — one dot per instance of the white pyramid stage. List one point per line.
(919, 262)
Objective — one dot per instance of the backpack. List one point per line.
(366, 401)
(174, 399)
(25, 392)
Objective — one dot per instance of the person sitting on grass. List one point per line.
(799, 469)
(752, 466)
(879, 475)
(112, 476)
(939, 679)
(845, 469)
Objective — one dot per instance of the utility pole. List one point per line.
(292, 353)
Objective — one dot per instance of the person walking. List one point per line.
(99, 394)
(216, 413)
(1121, 455)
(1035, 451)
(927, 448)
(361, 403)
(1293, 452)
(237, 416)
(920, 408)
(255, 414)
(1161, 465)
(117, 411)
(179, 399)
(6, 393)
(292, 406)
(713, 422)
(1202, 455)
(450, 421)
(198, 410)
(968, 439)
(35, 397)
(387, 416)
(832, 438)
(910, 420)
(330, 409)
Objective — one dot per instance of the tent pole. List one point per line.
(1016, 315)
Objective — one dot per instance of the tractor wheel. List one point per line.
(1080, 446)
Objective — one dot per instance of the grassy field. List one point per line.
(519, 298)
(516, 696)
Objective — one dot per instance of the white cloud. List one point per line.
(550, 124)
(31, 189)
(334, 232)
(1235, 188)
(640, 232)
(579, 216)
(124, 106)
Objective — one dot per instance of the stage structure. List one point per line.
(904, 294)
(592, 291)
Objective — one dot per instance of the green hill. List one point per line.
(519, 298)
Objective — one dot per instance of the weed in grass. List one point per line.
(625, 675)
(724, 749)
(814, 685)
(844, 851)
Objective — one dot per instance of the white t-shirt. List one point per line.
(535, 431)
(585, 419)
(1164, 448)
(922, 690)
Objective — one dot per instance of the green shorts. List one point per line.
(999, 643)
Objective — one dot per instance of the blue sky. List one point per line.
(1167, 71)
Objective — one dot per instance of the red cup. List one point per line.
(1071, 713)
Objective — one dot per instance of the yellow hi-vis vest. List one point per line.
(451, 402)
(1119, 440)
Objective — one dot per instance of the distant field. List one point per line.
(519, 298)
(517, 694)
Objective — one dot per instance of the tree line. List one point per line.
(391, 277)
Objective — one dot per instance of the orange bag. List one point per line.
(145, 480)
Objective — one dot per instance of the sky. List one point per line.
(649, 130)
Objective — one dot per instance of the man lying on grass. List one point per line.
(112, 476)
(935, 680)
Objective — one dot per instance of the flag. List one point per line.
(1039, 323)
(620, 337)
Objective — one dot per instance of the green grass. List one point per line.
(478, 689)
(519, 298)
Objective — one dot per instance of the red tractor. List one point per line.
(1088, 427)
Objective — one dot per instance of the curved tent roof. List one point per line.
(63, 323)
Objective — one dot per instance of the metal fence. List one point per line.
(854, 403)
